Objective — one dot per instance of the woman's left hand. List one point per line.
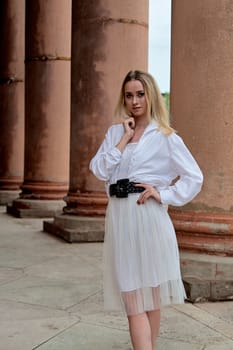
(149, 192)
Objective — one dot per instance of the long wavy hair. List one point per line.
(156, 108)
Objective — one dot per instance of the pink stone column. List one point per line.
(109, 39)
(47, 107)
(201, 108)
(12, 23)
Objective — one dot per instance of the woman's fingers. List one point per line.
(129, 123)
(143, 197)
(149, 192)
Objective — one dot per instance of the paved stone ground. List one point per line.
(51, 299)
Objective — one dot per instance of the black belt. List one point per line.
(123, 187)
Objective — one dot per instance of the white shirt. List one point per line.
(157, 159)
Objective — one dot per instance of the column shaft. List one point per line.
(109, 39)
(47, 100)
(12, 23)
(201, 109)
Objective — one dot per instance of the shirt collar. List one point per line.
(153, 125)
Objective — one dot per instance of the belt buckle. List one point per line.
(121, 188)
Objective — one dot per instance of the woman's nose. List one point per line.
(135, 99)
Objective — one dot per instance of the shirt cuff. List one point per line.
(165, 196)
(116, 153)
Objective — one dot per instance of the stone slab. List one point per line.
(207, 277)
(179, 327)
(206, 267)
(91, 310)
(200, 291)
(66, 269)
(178, 323)
(26, 253)
(24, 326)
(85, 336)
(223, 327)
(76, 229)
(54, 293)
(169, 344)
(6, 197)
(16, 311)
(197, 290)
(51, 296)
(27, 334)
(89, 336)
(221, 310)
(24, 208)
(226, 346)
(9, 274)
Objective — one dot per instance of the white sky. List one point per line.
(159, 42)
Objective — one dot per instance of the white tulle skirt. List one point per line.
(141, 258)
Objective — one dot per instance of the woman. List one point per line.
(139, 160)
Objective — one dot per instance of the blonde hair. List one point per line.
(156, 108)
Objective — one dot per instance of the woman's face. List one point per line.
(135, 100)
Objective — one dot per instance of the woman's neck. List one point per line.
(138, 131)
(141, 123)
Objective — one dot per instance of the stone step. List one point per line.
(206, 277)
(211, 244)
(76, 228)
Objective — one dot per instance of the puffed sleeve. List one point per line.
(190, 176)
(107, 157)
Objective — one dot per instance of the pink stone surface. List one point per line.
(47, 114)
(109, 39)
(201, 109)
(12, 94)
(201, 85)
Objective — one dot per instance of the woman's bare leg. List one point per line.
(140, 332)
(143, 327)
(154, 320)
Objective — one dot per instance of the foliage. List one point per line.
(166, 96)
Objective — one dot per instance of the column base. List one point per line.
(43, 190)
(207, 277)
(76, 228)
(204, 232)
(86, 204)
(7, 196)
(23, 208)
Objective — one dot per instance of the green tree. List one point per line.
(166, 96)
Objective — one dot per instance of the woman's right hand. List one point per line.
(129, 125)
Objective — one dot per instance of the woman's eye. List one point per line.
(140, 94)
(128, 95)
